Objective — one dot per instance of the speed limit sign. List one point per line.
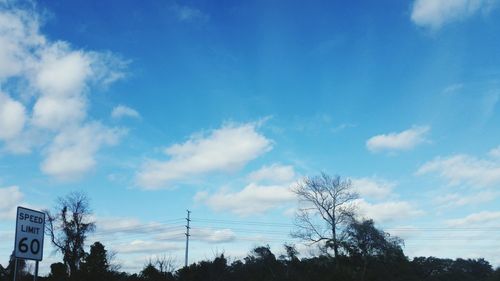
(30, 226)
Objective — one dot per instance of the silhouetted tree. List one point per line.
(3, 272)
(151, 273)
(58, 272)
(68, 227)
(495, 276)
(364, 240)
(21, 268)
(329, 199)
(95, 265)
(165, 264)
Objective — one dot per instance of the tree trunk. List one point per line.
(334, 238)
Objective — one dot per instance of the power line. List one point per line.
(140, 226)
(261, 223)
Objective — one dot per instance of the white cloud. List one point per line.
(189, 14)
(19, 32)
(387, 211)
(10, 198)
(72, 152)
(275, 173)
(109, 226)
(434, 14)
(452, 89)
(56, 113)
(212, 236)
(484, 218)
(62, 71)
(495, 152)
(372, 187)
(140, 246)
(56, 81)
(405, 232)
(113, 225)
(121, 111)
(458, 200)
(464, 169)
(224, 149)
(12, 117)
(404, 140)
(253, 199)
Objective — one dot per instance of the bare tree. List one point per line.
(114, 266)
(68, 227)
(166, 264)
(327, 209)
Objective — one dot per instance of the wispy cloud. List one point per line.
(122, 111)
(388, 211)
(227, 148)
(146, 247)
(434, 14)
(458, 200)
(72, 153)
(252, 199)
(10, 198)
(495, 152)
(464, 169)
(372, 187)
(274, 173)
(398, 141)
(484, 218)
(12, 117)
(189, 14)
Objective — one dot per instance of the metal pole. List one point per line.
(187, 237)
(35, 277)
(15, 269)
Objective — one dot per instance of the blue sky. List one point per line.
(220, 106)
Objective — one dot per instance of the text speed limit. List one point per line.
(30, 225)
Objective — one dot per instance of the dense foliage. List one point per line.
(262, 265)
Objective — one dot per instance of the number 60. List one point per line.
(34, 246)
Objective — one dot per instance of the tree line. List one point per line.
(352, 248)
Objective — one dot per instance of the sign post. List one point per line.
(30, 228)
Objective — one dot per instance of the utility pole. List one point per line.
(188, 219)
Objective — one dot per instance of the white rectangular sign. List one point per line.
(30, 226)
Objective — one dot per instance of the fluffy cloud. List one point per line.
(253, 199)
(387, 211)
(223, 149)
(275, 173)
(57, 81)
(372, 188)
(10, 198)
(404, 140)
(56, 113)
(12, 117)
(72, 153)
(121, 111)
(62, 71)
(19, 32)
(464, 169)
(436, 13)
